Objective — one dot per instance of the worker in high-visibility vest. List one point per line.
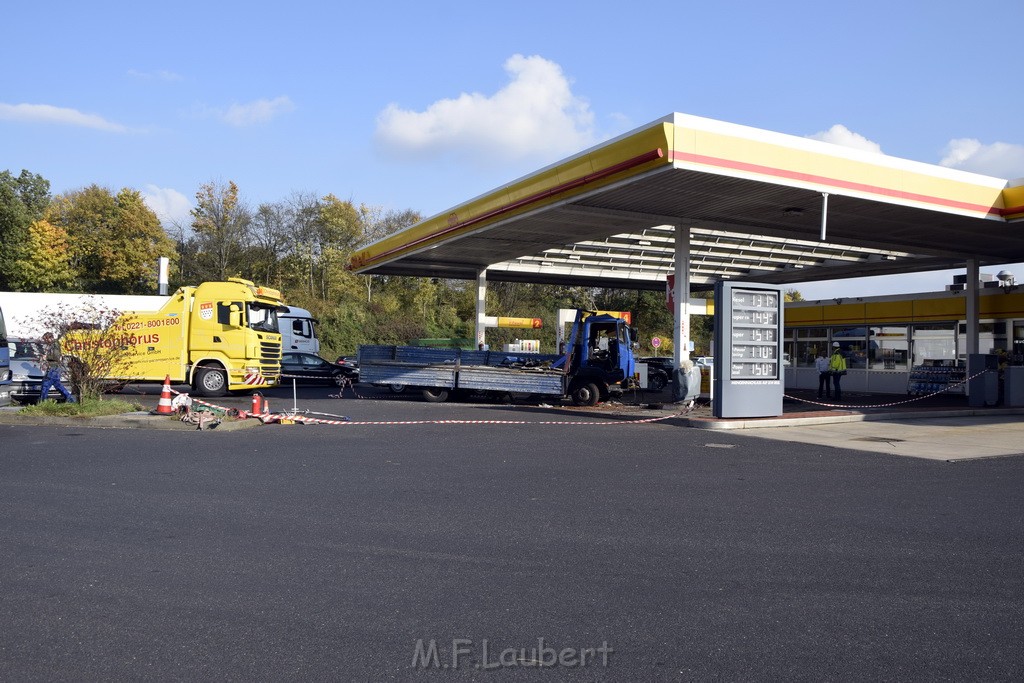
(837, 368)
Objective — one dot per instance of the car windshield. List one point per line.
(263, 318)
(29, 350)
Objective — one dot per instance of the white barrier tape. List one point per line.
(887, 405)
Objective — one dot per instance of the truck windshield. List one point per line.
(263, 318)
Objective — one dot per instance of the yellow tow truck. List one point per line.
(217, 337)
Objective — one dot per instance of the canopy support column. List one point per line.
(681, 297)
(824, 214)
(481, 305)
(972, 307)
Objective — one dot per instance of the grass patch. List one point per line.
(90, 407)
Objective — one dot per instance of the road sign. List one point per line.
(656, 342)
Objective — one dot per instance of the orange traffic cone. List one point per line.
(164, 407)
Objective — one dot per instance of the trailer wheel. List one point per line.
(396, 388)
(585, 394)
(435, 395)
(211, 382)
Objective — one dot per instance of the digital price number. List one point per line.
(755, 335)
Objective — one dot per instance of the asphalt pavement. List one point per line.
(471, 541)
(937, 427)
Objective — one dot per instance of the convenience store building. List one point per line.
(913, 343)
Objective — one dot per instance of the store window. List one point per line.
(933, 342)
(853, 344)
(888, 348)
(991, 337)
(1017, 351)
(810, 341)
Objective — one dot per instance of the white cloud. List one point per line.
(841, 135)
(258, 111)
(46, 113)
(170, 206)
(1000, 159)
(536, 115)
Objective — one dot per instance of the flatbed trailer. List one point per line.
(597, 363)
(440, 372)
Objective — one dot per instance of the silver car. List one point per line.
(27, 378)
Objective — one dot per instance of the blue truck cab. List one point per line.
(599, 357)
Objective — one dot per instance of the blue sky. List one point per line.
(422, 105)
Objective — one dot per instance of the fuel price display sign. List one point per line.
(755, 334)
(748, 340)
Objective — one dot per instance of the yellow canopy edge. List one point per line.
(629, 156)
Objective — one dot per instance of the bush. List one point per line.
(89, 407)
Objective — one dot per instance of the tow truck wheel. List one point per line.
(585, 394)
(435, 395)
(211, 382)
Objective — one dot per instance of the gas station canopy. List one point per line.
(757, 205)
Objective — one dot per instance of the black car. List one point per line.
(663, 363)
(309, 368)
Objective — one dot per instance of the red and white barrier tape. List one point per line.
(314, 420)
(305, 419)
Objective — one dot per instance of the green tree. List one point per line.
(271, 238)
(115, 240)
(135, 245)
(377, 224)
(45, 263)
(221, 224)
(341, 230)
(23, 200)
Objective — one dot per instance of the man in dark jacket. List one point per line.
(50, 364)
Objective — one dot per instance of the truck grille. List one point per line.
(270, 351)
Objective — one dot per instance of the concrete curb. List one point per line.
(795, 421)
(137, 420)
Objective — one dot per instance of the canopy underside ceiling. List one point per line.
(740, 229)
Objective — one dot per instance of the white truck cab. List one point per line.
(298, 330)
